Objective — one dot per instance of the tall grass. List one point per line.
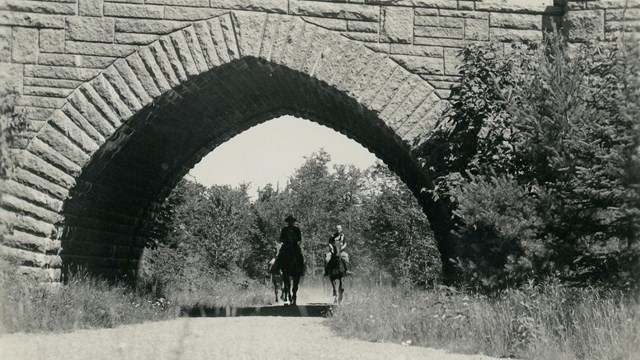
(547, 322)
(88, 302)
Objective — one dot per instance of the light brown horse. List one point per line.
(336, 270)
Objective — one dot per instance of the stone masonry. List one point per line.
(123, 97)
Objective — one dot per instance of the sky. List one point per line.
(270, 153)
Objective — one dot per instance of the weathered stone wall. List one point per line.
(104, 84)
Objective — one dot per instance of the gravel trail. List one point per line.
(211, 338)
(256, 337)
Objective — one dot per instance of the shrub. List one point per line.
(534, 322)
(558, 131)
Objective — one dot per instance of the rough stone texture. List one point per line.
(585, 25)
(91, 29)
(23, 49)
(105, 82)
(397, 24)
(90, 7)
(52, 40)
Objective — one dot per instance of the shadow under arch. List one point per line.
(118, 190)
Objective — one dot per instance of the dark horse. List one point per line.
(336, 271)
(292, 267)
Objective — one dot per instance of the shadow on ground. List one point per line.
(307, 310)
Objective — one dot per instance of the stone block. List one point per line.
(5, 44)
(464, 14)
(428, 51)
(420, 64)
(52, 40)
(25, 241)
(427, 21)
(362, 26)
(330, 24)
(32, 195)
(40, 101)
(584, 25)
(452, 61)
(439, 32)
(433, 4)
(397, 24)
(43, 7)
(23, 50)
(428, 12)
(38, 183)
(510, 35)
(476, 29)
(334, 10)
(52, 156)
(451, 22)
(134, 11)
(59, 72)
(88, 48)
(59, 83)
(91, 29)
(466, 4)
(192, 3)
(90, 7)
(72, 131)
(363, 37)
(516, 21)
(40, 167)
(268, 6)
(190, 13)
(46, 91)
(31, 20)
(11, 76)
(135, 39)
(148, 26)
(519, 6)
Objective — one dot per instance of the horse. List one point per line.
(336, 270)
(292, 266)
(276, 279)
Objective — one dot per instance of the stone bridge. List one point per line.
(123, 97)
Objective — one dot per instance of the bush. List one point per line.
(539, 158)
(85, 302)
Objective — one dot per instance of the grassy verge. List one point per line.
(549, 322)
(87, 302)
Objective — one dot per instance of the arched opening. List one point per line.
(107, 212)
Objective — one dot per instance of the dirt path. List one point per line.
(213, 338)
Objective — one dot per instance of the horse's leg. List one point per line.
(296, 282)
(275, 289)
(333, 285)
(287, 294)
(341, 290)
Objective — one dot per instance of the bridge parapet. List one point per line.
(51, 47)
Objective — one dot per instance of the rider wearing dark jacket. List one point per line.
(290, 237)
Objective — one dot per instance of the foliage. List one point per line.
(534, 322)
(557, 130)
(199, 232)
(399, 236)
(84, 302)
(216, 232)
(12, 123)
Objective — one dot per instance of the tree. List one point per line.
(557, 131)
(399, 236)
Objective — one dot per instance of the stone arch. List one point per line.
(92, 176)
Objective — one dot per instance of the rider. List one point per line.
(344, 257)
(290, 237)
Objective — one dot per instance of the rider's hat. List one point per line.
(290, 219)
